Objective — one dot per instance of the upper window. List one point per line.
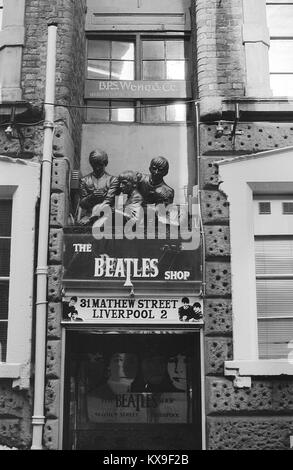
(5, 243)
(140, 58)
(280, 20)
(143, 59)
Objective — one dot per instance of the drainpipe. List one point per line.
(198, 161)
(38, 419)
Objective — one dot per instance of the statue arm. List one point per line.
(112, 192)
(87, 198)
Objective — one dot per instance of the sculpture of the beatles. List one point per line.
(99, 188)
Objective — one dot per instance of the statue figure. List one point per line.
(97, 187)
(152, 187)
(132, 207)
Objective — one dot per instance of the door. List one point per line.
(132, 391)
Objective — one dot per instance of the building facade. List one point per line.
(179, 343)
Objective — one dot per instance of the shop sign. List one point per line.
(131, 262)
(162, 89)
(127, 310)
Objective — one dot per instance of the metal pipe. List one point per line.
(198, 158)
(38, 419)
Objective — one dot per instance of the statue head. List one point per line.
(98, 160)
(128, 181)
(159, 167)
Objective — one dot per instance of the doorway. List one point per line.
(132, 391)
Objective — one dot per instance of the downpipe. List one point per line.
(38, 419)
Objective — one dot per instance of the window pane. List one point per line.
(3, 341)
(274, 337)
(98, 49)
(176, 112)
(122, 111)
(122, 70)
(175, 49)
(153, 70)
(5, 217)
(153, 50)
(274, 297)
(123, 50)
(4, 257)
(4, 291)
(282, 85)
(274, 257)
(96, 114)
(176, 70)
(99, 69)
(280, 20)
(152, 113)
(281, 56)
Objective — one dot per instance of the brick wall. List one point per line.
(219, 52)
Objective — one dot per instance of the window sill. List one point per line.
(264, 367)
(12, 36)
(17, 372)
(277, 108)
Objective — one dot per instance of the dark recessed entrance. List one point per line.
(132, 391)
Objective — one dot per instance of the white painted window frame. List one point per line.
(12, 36)
(241, 178)
(20, 181)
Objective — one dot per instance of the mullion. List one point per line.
(165, 67)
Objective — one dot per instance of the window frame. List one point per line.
(274, 38)
(5, 278)
(242, 178)
(20, 181)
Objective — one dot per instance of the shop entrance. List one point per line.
(132, 391)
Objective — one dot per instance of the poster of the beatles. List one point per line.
(151, 388)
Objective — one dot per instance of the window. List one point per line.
(274, 281)
(280, 20)
(19, 191)
(261, 262)
(141, 59)
(164, 59)
(5, 244)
